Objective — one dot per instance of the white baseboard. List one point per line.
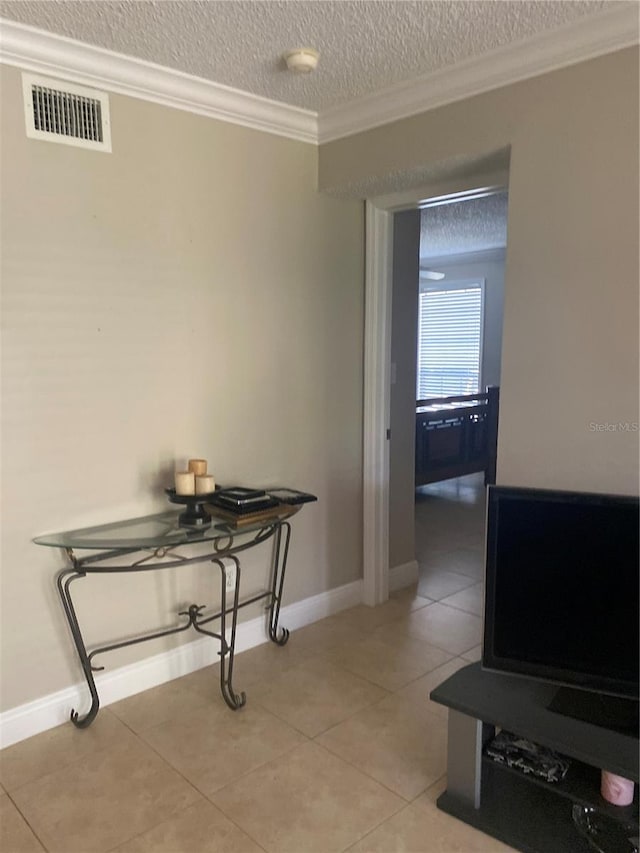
(403, 575)
(34, 717)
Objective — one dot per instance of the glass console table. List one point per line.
(158, 542)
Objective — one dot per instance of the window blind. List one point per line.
(449, 340)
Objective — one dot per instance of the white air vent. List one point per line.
(57, 111)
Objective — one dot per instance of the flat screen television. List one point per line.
(561, 597)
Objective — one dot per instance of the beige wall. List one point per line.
(570, 345)
(189, 294)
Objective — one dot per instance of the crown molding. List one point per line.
(56, 56)
(587, 38)
(60, 57)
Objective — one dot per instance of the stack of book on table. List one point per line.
(243, 506)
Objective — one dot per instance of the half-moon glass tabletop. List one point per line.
(162, 529)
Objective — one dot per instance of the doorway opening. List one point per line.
(460, 313)
(381, 574)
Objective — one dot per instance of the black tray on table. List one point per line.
(195, 514)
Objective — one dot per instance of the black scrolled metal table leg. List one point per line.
(67, 603)
(233, 699)
(280, 555)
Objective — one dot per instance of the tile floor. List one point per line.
(338, 749)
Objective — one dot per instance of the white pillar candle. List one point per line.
(198, 466)
(205, 483)
(185, 483)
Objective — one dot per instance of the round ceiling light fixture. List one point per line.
(302, 60)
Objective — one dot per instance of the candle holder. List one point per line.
(195, 515)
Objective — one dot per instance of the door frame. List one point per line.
(377, 365)
(377, 362)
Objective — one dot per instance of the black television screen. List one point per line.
(561, 595)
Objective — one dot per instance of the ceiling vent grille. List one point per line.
(62, 112)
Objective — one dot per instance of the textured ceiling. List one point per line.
(365, 45)
(468, 226)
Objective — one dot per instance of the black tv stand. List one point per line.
(528, 813)
(609, 712)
